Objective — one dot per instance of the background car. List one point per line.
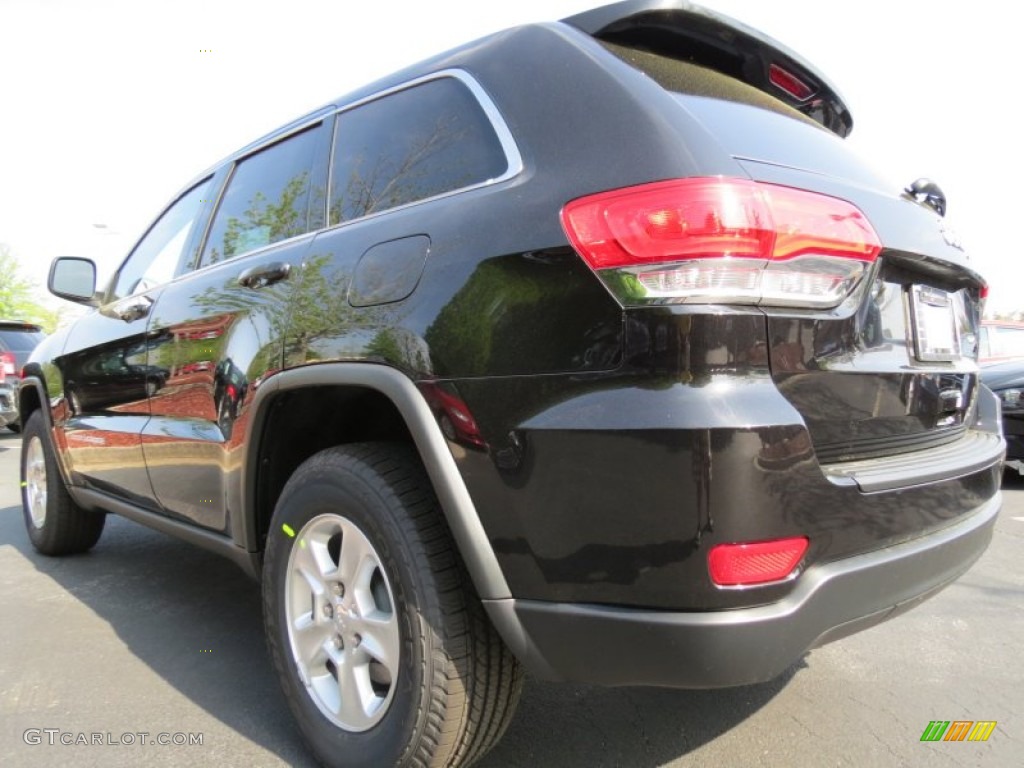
(1000, 340)
(1006, 379)
(17, 340)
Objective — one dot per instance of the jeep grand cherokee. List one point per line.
(586, 336)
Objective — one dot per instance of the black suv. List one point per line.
(587, 336)
(17, 340)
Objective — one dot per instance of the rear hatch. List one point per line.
(889, 365)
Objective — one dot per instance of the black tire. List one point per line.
(457, 684)
(59, 526)
(15, 427)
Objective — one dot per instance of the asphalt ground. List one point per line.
(149, 639)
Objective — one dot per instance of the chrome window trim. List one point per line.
(513, 158)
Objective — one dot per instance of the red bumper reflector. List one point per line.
(733, 565)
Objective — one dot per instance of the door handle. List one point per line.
(263, 275)
(134, 308)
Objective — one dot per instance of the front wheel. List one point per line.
(56, 524)
(383, 649)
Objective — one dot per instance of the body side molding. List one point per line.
(217, 543)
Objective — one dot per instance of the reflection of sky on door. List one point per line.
(110, 107)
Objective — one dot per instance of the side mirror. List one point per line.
(73, 278)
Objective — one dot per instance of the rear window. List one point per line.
(749, 123)
(750, 133)
(19, 341)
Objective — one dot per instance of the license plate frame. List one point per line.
(933, 319)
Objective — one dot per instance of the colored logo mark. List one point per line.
(958, 730)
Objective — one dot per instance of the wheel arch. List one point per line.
(32, 397)
(417, 418)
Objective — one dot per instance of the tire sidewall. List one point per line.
(34, 427)
(351, 496)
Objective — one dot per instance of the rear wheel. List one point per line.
(55, 524)
(382, 647)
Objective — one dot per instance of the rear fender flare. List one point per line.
(456, 503)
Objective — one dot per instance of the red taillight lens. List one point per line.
(733, 565)
(8, 367)
(769, 244)
(790, 83)
(809, 223)
(670, 221)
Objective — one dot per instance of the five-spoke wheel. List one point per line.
(342, 625)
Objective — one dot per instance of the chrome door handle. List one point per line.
(264, 274)
(134, 308)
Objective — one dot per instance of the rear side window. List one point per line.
(266, 200)
(410, 145)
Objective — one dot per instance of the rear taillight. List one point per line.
(8, 366)
(734, 565)
(720, 240)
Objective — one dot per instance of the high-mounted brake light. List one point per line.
(733, 565)
(722, 240)
(790, 83)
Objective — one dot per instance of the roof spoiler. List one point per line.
(681, 30)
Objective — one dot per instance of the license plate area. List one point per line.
(936, 338)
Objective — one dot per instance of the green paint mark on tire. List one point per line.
(288, 529)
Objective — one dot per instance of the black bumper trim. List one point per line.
(622, 646)
(974, 452)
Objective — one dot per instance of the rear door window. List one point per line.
(266, 200)
(411, 145)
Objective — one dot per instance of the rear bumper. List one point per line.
(713, 649)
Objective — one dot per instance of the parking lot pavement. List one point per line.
(148, 635)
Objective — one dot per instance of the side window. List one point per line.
(266, 200)
(156, 258)
(411, 145)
